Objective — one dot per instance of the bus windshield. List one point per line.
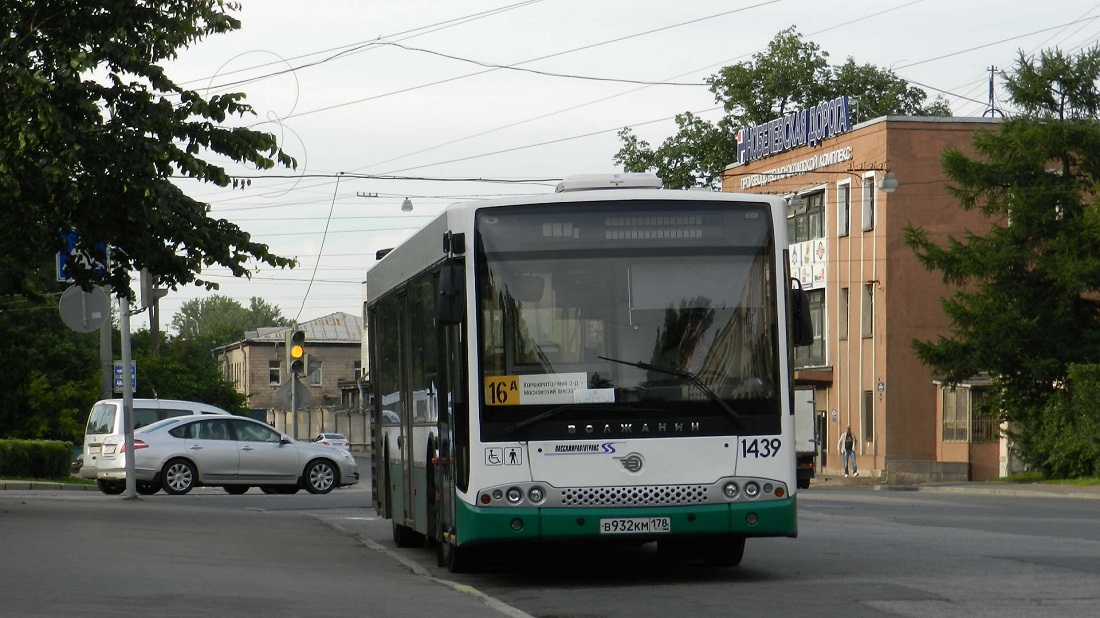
(632, 316)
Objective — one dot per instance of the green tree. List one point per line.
(183, 370)
(791, 74)
(219, 320)
(1026, 308)
(92, 129)
(51, 373)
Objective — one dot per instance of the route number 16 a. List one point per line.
(760, 447)
(502, 391)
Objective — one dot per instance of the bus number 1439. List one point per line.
(758, 448)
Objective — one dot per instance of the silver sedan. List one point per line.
(179, 454)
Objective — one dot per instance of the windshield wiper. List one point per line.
(547, 414)
(694, 379)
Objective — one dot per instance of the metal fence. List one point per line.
(305, 424)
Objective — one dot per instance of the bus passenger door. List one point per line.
(406, 447)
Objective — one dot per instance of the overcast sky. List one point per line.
(394, 88)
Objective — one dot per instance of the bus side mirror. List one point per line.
(802, 327)
(450, 297)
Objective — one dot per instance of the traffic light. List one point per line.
(296, 352)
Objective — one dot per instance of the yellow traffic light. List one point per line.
(296, 352)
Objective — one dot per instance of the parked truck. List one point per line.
(805, 435)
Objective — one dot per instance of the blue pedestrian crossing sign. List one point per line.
(70, 255)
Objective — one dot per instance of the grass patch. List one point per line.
(1037, 477)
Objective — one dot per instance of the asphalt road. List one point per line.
(70, 553)
(860, 552)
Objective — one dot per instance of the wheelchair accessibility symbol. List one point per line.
(496, 456)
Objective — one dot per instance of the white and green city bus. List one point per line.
(610, 362)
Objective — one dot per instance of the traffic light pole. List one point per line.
(294, 401)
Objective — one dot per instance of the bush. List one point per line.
(41, 459)
(1064, 441)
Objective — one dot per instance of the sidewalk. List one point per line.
(988, 488)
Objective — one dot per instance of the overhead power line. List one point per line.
(523, 62)
(537, 72)
(353, 48)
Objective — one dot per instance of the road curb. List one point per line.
(489, 600)
(1010, 491)
(45, 485)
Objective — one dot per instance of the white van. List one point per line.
(105, 419)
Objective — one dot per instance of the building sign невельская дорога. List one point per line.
(805, 127)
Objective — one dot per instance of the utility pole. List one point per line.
(106, 360)
(992, 110)
(127, 394)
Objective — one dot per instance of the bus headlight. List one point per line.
(731, 490)
(752, 490)
(514, 495)
(536, 494)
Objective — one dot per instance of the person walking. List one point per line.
(847, 447)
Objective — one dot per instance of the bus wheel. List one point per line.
(457, 559)
(404, 536)
(726, 551)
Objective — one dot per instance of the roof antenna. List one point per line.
(992, 110)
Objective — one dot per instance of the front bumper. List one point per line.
(773, 518)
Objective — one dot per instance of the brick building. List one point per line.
(329, 397)
(870, 295)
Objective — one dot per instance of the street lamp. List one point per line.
(888, 182)
(407, 205)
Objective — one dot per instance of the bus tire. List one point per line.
(457, 559)
(724, 552)
(404, 536)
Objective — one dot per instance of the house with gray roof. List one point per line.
(257, 366)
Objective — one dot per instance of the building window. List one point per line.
(314, 375)
(813, 355)
(868, 203)
(963, 420)
(867, 414)
(842, 326)
(357, 369)
(843, 208)
(807, 220)
(273, 372)
(867, 311)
